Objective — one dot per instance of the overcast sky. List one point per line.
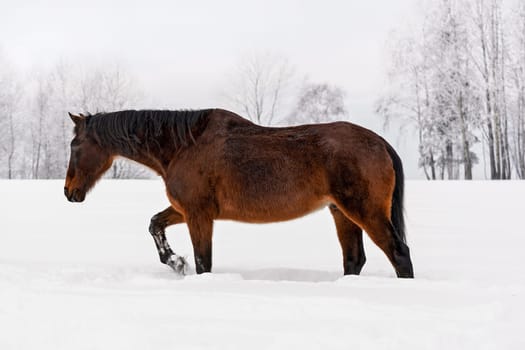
(183, 52)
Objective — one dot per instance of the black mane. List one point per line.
(131, 130)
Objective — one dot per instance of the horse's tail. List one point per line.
(397, 210)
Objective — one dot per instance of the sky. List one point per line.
(182, 53)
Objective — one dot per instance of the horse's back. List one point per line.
(261, 174)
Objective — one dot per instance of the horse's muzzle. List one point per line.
(74, 196)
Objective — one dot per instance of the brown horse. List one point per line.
(218, 165)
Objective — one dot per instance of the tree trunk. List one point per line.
(11, 146)
(449, 160)
(432, 166)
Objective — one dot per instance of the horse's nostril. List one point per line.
(73, 195)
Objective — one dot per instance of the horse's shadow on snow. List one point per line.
(286, 274)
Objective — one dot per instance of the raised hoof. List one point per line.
(178, 264)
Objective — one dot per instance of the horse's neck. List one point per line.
(154, 155)
(148, 159)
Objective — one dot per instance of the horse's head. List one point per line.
(87, 163)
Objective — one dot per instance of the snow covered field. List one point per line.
(87, 276)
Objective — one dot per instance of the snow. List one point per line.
(87, 276)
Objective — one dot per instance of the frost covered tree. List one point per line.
(490, 54)
(431, 88)
(458, 81)
(261, 87)
(408, 96)
(453, 90)
(517, 90)
(319, 103)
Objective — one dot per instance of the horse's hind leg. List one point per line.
(157, 228)
(381, 231)
(351, 239)
(377, 225)
(383, 234)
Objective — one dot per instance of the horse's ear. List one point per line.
(77, 119)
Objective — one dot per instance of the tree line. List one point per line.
(459, 80)
(35, 132)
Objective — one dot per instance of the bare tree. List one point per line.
(106, 90)
(261, 86)
(407, 98)
(63, 82)
(63, 89)
(10, 95)
(53, 95)
(319, 103)
(41, 112)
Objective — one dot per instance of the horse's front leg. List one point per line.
(157, 228)
(201, 231)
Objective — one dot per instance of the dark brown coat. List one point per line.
(218, 165)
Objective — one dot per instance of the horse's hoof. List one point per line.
(178, 264)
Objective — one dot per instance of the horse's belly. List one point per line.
(270, 211)
(266, 191)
